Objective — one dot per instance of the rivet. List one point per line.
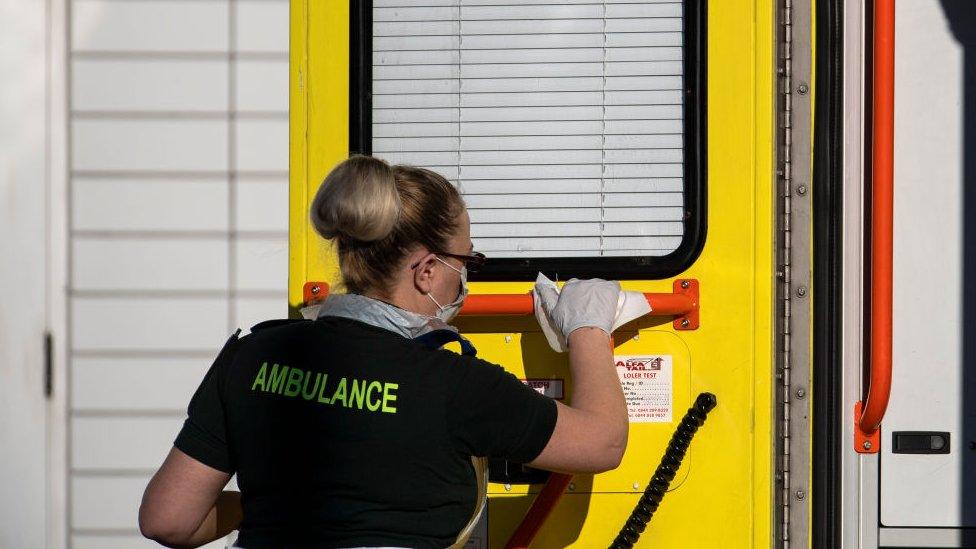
(867, 445)
(572, 486)
(508, 339)
(801, 291)
(802, 89)
(800, 393)
(686, 284)
(800, 494)
(636, 486)
(801, 190)
(316, 289)
(685, 323)
(508, 487)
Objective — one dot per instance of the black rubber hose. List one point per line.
(670, 463)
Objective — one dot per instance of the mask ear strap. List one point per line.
(449, 266)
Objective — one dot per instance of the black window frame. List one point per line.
(695, 218)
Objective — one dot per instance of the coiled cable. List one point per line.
(666, 470)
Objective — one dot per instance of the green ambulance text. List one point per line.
(356, 393)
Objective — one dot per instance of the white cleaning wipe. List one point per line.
(630, 306)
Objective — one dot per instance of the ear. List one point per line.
(423, 273)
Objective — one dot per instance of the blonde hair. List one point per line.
(377, 214)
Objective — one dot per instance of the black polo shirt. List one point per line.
(343, 434)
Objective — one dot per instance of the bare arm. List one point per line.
(184, 505)
(591, 434)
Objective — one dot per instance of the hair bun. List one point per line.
(358, 200)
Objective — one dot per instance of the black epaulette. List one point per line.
(275, 323)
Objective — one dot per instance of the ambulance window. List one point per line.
(574, 129)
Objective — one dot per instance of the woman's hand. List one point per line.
(580, 303)
(584, 303)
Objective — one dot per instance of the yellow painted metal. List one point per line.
(723, 497)
(319, 130)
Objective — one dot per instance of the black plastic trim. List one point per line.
(695, 161)
(828, 187)
(360, 76)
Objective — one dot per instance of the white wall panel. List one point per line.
(261, 264)
(118, 443)
(141, 204)
(191, 85)
(106, 502)
(262, 205)
(96, 382)
(249, 311)
(179, 140)
(151, 264)
(149, 145)
(262, 85)
(262, 145)
(149, 25)
(144, 324)
(262, 26)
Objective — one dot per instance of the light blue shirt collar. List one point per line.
(380, 314)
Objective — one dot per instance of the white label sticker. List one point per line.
(646, 380)
(552, 388)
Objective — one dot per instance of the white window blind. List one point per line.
(560, 121)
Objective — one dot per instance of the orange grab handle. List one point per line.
(683, 304)
(522, 304)
(541, 508)
(867, 439)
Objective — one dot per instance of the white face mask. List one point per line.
(449, 311)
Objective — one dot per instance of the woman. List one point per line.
(352, 430)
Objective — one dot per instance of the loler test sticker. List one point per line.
(646, 380)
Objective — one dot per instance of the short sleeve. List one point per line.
(204, 433)
(494, 414)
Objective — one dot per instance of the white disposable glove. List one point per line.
(593, 302)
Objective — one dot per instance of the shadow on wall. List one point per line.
(961, 16)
